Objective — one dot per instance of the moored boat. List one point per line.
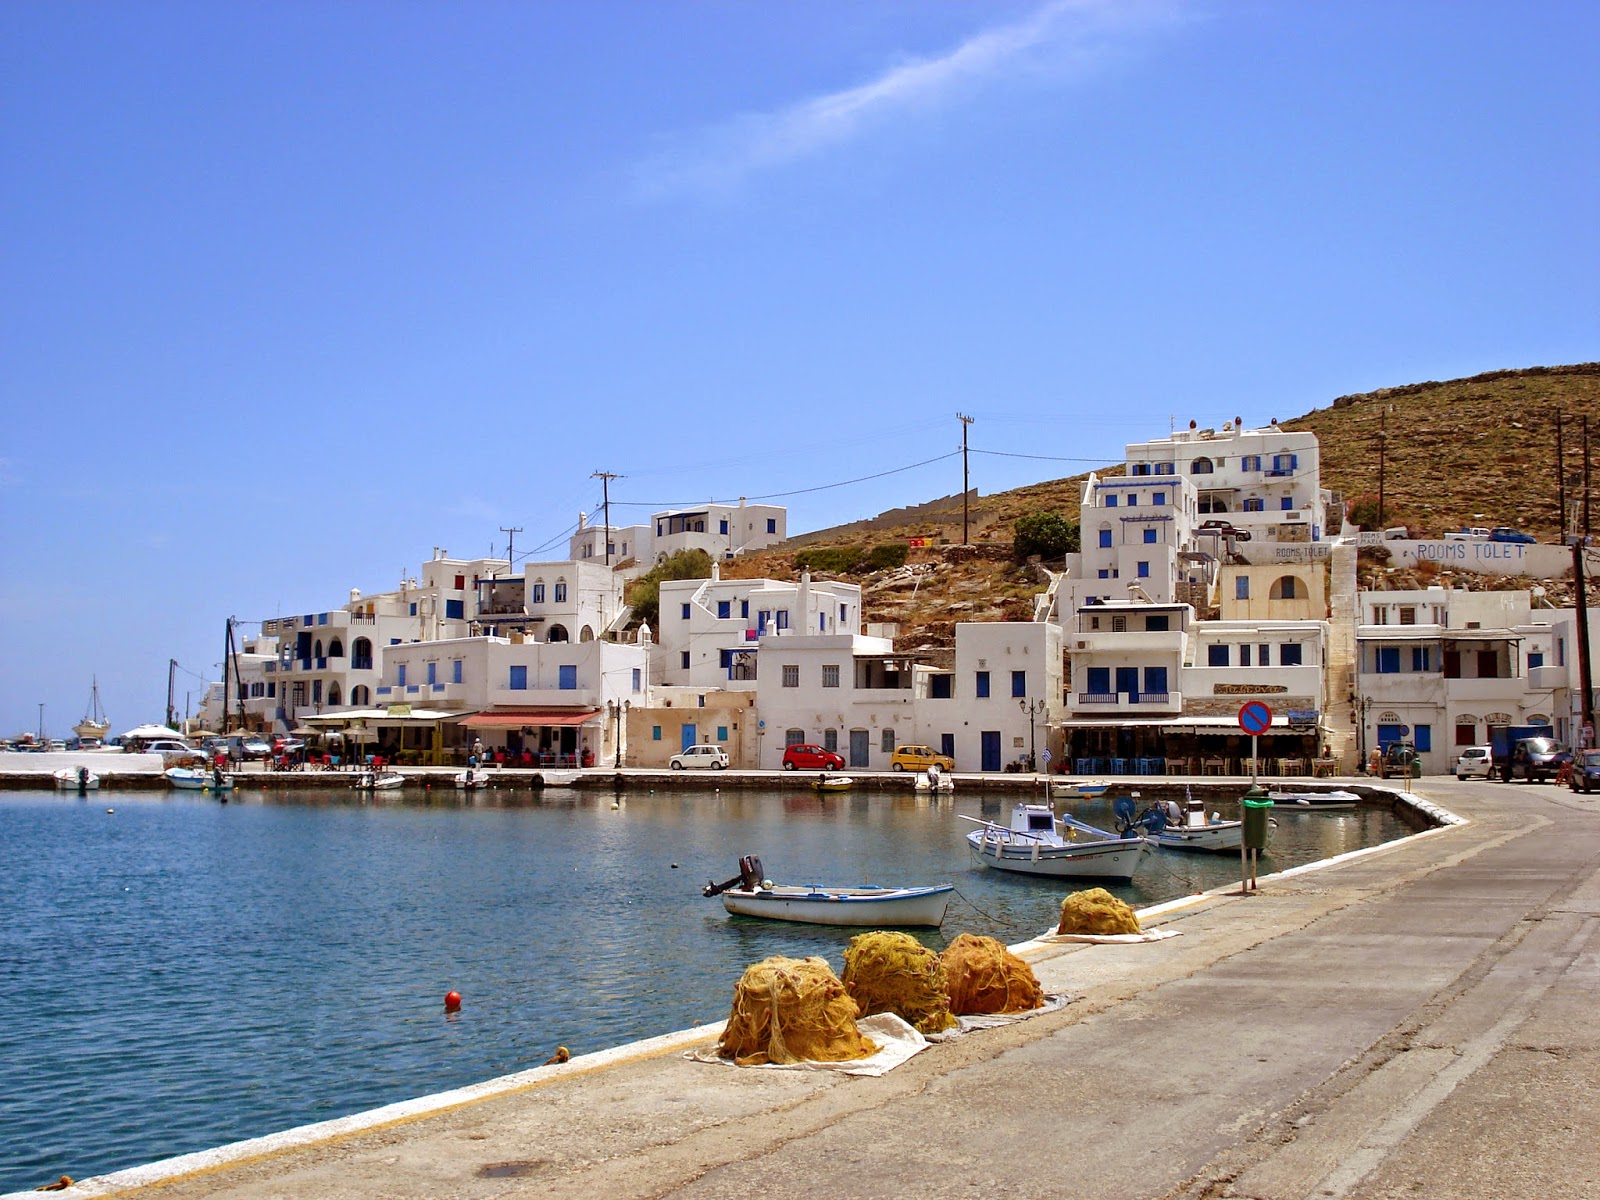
(832, 783)
(1183, 827)
(378, 781)
(933, 780)
(1082, 788)
(199, 779)
(749, 895)
(76, 779)
(94, 727)
(1031, 845)
(1333, 799)
(472, 780)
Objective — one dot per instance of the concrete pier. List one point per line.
(1417, 1020)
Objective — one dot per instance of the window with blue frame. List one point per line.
(1535, 659)
(1144, 570)
(1287, 503)
(685, 612)
(433, 673)
(413, 608)
(655, 733)
(1098, 681)
(400, 675)
(1285, 462)
(561, 591)
(1244, 656)
(1149, 537)
(983, 684)
(1159, 499)
(1241, 587)
(1254, 504)
(1421, 658)
(637, 679)
(1388, 660)
(455, 670)
(1158, 623)
(744, 607)
(567, 677)
(1019, 683)
(722, 733)
(1139, 469)
(1389, 734)
(1155, 681)
(1290, 654)
(1250, 462)
(1111, 499)
(1166, 468)
(1105, 573)
(724, 609)
(1217, 654)
(455, 610)
(772, 524)
(683, 659)
(519, 679)
(538, 593)
(1422, 737)
(722, 525)
(1105, 539)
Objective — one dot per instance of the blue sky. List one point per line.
(295, 292)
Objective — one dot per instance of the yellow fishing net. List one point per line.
(1096, 911)
(985, 977)
(788, 1010)
(895, 973)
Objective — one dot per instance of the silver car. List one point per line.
(710, 757)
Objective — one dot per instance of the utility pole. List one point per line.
(1561, 482)
(1383, 447)
(1585, 477)
(511, 542)
(605, 478)
(172, 675)
(1585, 674)
(965, 421)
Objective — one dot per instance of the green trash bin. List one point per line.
(1257, 808)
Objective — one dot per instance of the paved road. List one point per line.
(1417, 1022)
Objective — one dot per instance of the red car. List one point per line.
(811, 758)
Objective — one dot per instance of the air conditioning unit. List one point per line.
(1082, 645)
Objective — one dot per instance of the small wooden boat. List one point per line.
(1303, 798)
(1182, 828)
(76, 779)
(198, 779)
(832, 783)
(749, 895)
(378, 781)
(1031, 845)
(472, 780)
(1084, 789)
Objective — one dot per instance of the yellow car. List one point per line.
(919, 758)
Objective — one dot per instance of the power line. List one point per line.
(780, 495)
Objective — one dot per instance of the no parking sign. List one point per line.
(1255, 718)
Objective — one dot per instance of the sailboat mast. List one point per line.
(172, 673)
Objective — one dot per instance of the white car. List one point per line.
(1474, 763)
(711, 757)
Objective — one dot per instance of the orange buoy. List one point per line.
(452, 1001)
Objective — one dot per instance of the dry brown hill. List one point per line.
(1478, 451)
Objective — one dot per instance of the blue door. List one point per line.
(947, 742)
(1128, 682)
(1388, 734)
(689, 733)
(991, 749)
(858, 748)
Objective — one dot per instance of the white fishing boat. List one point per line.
(749, 895)
(378, 781)
(1183, 827)
(76, 779)
(199, 779)
(1031, 845)
(933, 780)
(1303, 798)
(472, 780)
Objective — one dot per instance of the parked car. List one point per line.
(1225, 529)
(919, 758)
(707, 757)
(810, 757)
(169, 746)
(1536, 759)
(248, 746)
(1475, 763)
(1585, 775)
(1504, 533)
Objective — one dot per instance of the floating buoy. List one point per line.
(110, 810)
(452, 1001)
(674, 866)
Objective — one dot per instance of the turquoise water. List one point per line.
(180, 974)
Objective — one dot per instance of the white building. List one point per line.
(723, 531)
(572, 601)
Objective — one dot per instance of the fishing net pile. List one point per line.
(1096, 911)
(895, 973)
(985, 977)
(788, 1010)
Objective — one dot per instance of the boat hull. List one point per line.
(1321, 801)
(1114, 859)
(68, 780)
(1219, 838)
(196, 779)
(384, 781)
(842, 784)
(856, 907)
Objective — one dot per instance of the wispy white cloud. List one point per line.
(1062, 38)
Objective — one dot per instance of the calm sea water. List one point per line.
(179, 974)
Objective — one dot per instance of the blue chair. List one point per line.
(1119, 766)
(1083, 766)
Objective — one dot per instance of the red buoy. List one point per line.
(452, 1001)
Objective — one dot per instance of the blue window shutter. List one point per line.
(1217, 654)
(724, 608)
(455, 671)
(519, 679)
(1422, 737)
(685, 612)
(983, 683)
(1019, 683)
(1241, 587)
(455, 610)
(567, 679)
(1098, 680)
(1105, 538)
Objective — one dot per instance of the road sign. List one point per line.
(1255, 718)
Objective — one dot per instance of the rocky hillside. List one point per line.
(1478, 451)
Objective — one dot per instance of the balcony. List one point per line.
(1548, 678)
(1130, 641)
(1101, 704)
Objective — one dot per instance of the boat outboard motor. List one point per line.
(749, 878)
(83, 779)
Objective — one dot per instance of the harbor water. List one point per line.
(179, 973)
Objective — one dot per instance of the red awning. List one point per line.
(516, 718)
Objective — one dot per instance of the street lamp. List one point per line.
(1035, 710)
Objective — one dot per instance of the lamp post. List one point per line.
(1035, 710)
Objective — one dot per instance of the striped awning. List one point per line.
(518, 718)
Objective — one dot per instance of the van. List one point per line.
(1396, 533)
